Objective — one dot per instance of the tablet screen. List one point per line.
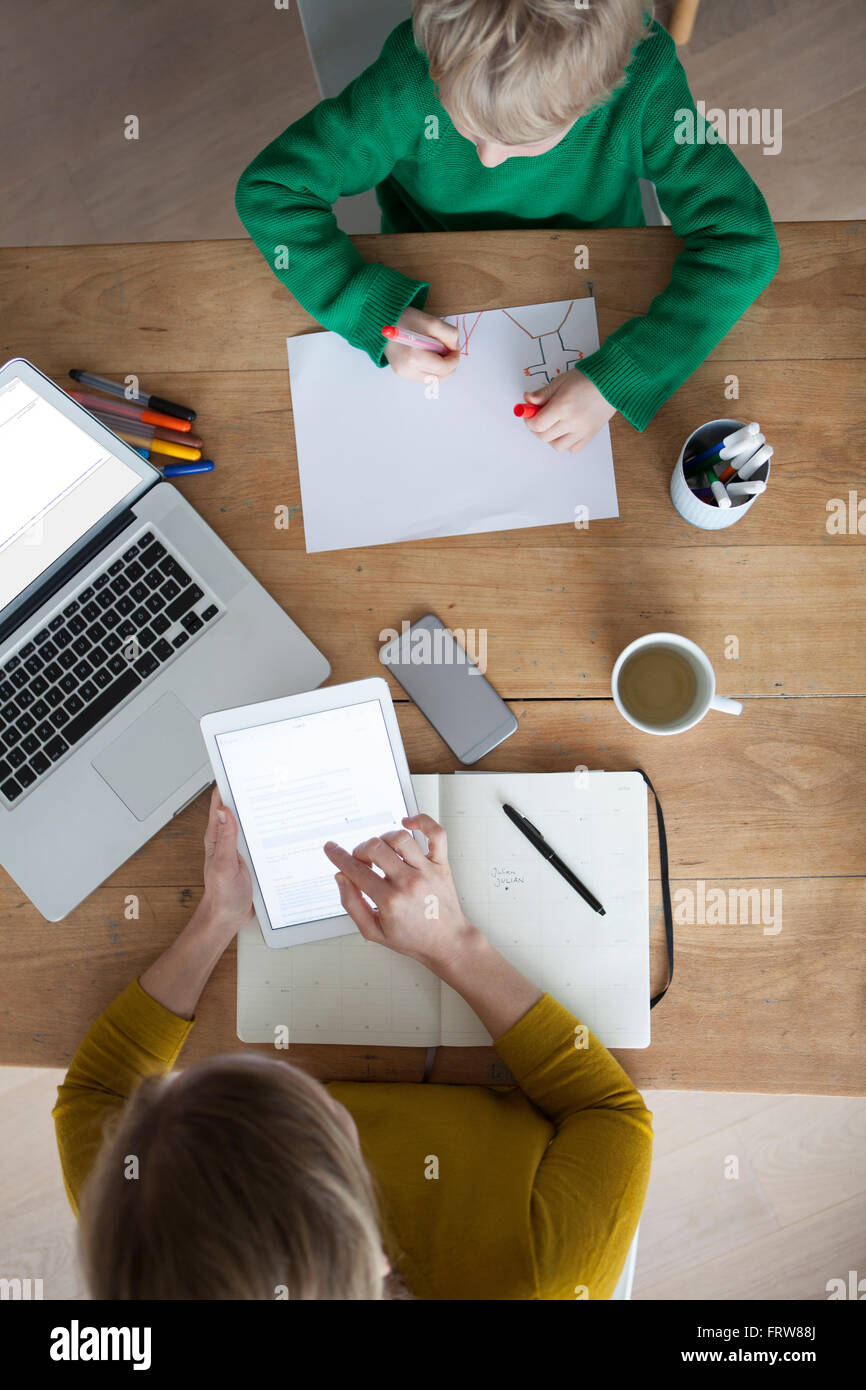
(299, 782)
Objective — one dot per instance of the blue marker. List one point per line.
(178, 470)
(727, 448)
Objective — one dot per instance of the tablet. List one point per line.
(325, 765)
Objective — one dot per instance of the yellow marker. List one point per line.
(175, 451)
(161, 446)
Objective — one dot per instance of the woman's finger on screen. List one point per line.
(359, 910)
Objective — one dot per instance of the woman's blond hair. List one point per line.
(517, 72)
(234, 1179)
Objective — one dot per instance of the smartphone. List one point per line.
(448, 687)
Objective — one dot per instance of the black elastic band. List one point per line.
(666, 888)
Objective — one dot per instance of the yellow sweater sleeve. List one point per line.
(133, 1038)
(589, 1188)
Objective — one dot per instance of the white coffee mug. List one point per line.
(705, 697)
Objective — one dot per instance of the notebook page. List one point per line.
(343, 990)
(598, 967)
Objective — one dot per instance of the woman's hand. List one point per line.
(417, 364)
(228, 894)
(177, 978)
(417, 912)
(574, 410)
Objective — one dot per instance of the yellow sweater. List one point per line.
(531, 1191)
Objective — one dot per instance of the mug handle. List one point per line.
(726, 706)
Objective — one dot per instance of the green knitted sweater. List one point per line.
(378, 133)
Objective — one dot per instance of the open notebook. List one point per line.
(348, 990)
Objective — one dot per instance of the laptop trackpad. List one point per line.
(153, 757)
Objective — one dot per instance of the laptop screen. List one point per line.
(56, 483)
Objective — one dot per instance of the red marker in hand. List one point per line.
(526, 412)
(417, 340)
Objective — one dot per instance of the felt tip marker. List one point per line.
(724, 471)
(718, 491)
(121, 425)
(752, 489)
(176, 470)
(754, 462)
(739, 442)
(96, 404)
(526, 412)
(144, 434)
(180, 470)
(741, 438)
(417, 340)
(116, 388)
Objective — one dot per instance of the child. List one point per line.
(524, 113)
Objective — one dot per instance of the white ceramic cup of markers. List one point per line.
(664, 684)
(722, 470)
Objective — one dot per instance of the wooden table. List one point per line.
(773, 800)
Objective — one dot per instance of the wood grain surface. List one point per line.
(772, 801)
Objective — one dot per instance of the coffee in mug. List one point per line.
(664, 684)
(658, 685)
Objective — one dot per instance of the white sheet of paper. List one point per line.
(384, 460)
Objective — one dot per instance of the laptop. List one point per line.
(123, 619)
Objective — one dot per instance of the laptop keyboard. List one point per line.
(109, 641)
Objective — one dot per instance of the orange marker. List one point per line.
(526, 412)
(120, 423)
(131, 412)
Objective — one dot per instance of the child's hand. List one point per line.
(417, 364)
(574, 410)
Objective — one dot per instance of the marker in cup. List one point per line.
(724, 471)
(752, 489)
(718, 490)
(751, 464)
(690, 493)
(727, 448)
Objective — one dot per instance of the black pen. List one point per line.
(536, 838)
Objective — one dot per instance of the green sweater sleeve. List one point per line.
(590, 1186)
(730, 254)
(345, 145)
(133, 1038)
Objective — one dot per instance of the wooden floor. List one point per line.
(230, 76)
(792, 1219)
